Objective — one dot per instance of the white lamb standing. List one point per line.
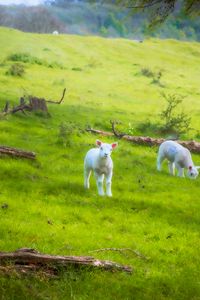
(179, 157)
(55, 32)
(100, 162)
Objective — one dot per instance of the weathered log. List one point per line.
(32, 258)
(17, 152)
(37, 104)
(193, 146)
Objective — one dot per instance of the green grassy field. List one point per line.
(152, 212)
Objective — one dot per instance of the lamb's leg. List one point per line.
(180, 171)
(108, 184)
(160, 159)
(99, 181)
(87, 173)
(171, 168)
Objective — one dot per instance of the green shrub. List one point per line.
(66, 132)
(147, 72)
(103, 31)
(24, 57)
(156, 75)
(77, 69)
(175, 121)
(27, 58)
(16, 70)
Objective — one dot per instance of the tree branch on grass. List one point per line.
(193, 146)
(26, 260)
(58, 102)
(116, 133)
(17, 152)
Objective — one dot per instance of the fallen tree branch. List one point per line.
(116, 133)
(58, 102)
(17, 152)
(193, 146)
(121, 250)
(26, 258)
(100, 132)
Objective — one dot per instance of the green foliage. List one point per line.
(66, 132)
(77, 69)
(104, 31)
(27, 58)
(147, 72)
(113, 21)
(16, 70)
(174, 121)
(108, 20)
(155, 75)
(156, 78)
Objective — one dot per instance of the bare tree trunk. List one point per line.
(34, 104)
(37, 104)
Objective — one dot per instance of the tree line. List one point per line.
(106, 20)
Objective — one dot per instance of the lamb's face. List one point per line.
(105, 150)
(193, 172)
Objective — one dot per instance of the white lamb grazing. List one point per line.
(179, 157)
(99, 161)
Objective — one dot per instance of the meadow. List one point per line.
(48, 208)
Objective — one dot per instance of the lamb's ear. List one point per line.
(98, 143)
(197, 167)
(114, 145)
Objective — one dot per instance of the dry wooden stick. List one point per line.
(33, 259)
(17, 152)
(100, 132)
(121, 250)
(58, 102)
(116, 133)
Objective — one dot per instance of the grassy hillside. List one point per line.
(49, 210)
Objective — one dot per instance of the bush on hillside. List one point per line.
(147, 72)
(155, 75)
(66, 132)
(16, 70)
(175, 121)
(27, 58)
